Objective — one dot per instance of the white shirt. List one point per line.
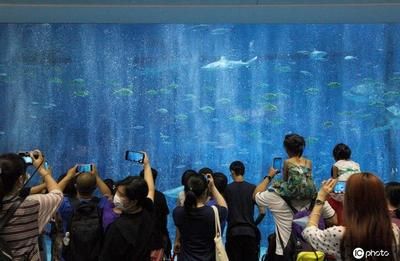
(283, 215)
(328, 240)
(346, 168)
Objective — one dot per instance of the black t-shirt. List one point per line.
(128, 237)
(160, 212)
(197, 232)
(239, 197)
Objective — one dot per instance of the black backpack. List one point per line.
(85, 231)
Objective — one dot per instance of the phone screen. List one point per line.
(277, 164)
(339, 187)
(28, 160)
(134, 156)
(84, 168)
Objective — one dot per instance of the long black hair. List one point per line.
(12, 166)
(194, 189)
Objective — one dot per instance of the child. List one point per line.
(344, 166)
(342, 170)
(297, 180)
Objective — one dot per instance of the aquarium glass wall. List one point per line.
(198, 95)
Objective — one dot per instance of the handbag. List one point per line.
(220, 253)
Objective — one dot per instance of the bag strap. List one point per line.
(217, 223)
(10, 213)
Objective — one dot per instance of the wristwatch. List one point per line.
(269, 178)
(319, 202)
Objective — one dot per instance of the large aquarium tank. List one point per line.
(201, 95)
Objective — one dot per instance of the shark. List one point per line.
(225, 64)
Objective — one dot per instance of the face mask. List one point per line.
(118, 202)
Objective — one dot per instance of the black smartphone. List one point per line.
(135, 156)
(277, 163)
(339, 187)
(81, 168)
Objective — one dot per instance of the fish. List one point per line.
(219, 31)
(3, 74)
(311, 91)
(318, 55)
(2, 132)
(151, 92)
(306, 73)
(35, 103)
(283, 68)
(181, 166)
(78, 81)
(81, 93)
(224, 64)
(162, 111)
(163, 136)
(350, 58)
(270, 107)
(394, 109)
(56, 80)
(181, 117)
(189, 97)
(328, 124)
(123, 92)
(138, 127)
(223, 101)
(207, 109)
(238, 118)
(334, 85)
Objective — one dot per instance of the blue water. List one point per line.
(86, 93)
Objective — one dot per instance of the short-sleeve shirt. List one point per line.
(328, 240)
(283, 215)
(239, 198)
(197, 229)
(22, 231)
(128, 237)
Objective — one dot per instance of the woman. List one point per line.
(392, 190)
(23, 229)
(195, 221)
(128, 237)
(367, 224)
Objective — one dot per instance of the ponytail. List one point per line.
(194, 188)
(190, 201)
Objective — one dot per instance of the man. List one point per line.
(82, 216)
(243, 236)
(282, 213)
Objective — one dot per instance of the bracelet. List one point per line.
(319, 202)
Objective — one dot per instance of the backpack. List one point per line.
(297, 246)
(85, 231)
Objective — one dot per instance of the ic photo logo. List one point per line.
(359, 253)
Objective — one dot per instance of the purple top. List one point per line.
(109, 216)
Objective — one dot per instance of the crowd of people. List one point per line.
(129, 220)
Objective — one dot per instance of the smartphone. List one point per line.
(27, 158)
(84, 168)
(135, 156)
(277, 164)
(339, 187)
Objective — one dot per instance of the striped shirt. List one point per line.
(28, 221)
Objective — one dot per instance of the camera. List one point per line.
(27, 157)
